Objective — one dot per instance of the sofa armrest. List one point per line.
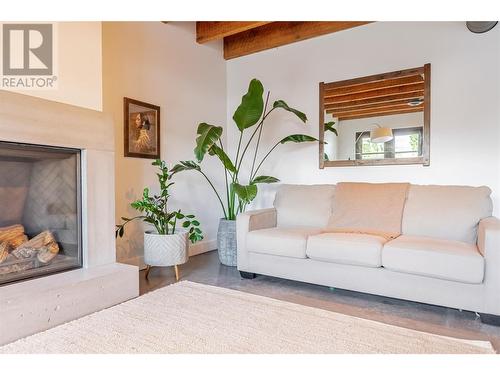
(247, 222)
(488, 243)
(488, 237)
(257, 219)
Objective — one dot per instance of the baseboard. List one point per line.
(490, 319)
(135, 261)
(202, 247)
(194, 249)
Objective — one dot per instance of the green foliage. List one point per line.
(246, 193)
(265, 180)
(185, 166)
(252, 112)
(329, 127)
(208, 135)
(414, 141)
(282, 104)
(226, 161)
(252, 104)
(154, 208)
(298, 138)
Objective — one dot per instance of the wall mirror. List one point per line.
(383, 119)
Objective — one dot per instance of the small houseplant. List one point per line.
(250, 115)
(167, 244)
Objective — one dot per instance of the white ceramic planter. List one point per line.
(165, 249)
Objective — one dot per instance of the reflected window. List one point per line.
(407, 143)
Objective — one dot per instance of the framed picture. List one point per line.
(141, 129)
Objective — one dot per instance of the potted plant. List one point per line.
(249, 116)
(167, 244)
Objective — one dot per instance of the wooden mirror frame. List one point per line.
(424, 159)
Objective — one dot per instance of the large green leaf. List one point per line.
(298, 138)
(185, 166)
(207, 136)
(246, 193)
(228, 164)
(329, 127)
(265, 180)
(282, 104)
(252, 104)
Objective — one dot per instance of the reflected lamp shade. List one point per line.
(381, 135)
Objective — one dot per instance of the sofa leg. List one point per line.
(490, 319)
(247, 275)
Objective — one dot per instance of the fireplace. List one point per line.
(57, 178)
(40, 211)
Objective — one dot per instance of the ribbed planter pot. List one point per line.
(226, 242)
(165, 249)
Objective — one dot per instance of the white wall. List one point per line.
(79, 60)
(162, 64)
(465, 110)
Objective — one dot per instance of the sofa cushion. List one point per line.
(298, 205)
(375, 209)
(288, 242)
(442, 259)
(446, 212)
(346, 248)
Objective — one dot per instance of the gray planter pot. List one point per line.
(226, 242)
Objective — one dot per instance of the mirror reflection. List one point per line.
(375, 120)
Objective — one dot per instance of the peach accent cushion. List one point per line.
(375, 209)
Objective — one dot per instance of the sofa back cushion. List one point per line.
(376, 209)
(304, 205)
(447, 212)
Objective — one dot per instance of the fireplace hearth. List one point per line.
(40, 211)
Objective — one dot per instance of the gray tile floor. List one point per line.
(206, 269)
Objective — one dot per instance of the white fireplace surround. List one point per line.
(35, 305)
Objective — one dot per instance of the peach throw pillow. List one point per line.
(368, 208)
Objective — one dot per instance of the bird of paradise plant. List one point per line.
(250, 114)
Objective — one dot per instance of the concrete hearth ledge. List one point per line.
(36, 305)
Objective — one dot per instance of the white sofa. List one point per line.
(448, 252)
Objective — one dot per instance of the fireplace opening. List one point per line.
(40, 211)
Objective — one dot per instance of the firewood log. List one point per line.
(48, 252)
(17, 241)
(17, 267)
(29, 249)
(4, 251)
(12, 231)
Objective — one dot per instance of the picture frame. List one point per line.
(141, 129)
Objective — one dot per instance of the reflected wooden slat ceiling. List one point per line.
(378, 95)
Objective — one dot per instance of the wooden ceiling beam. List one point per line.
(384, 99)
(277, 34)
(214, 30)
(396, 82)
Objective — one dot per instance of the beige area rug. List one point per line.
(193, 318)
